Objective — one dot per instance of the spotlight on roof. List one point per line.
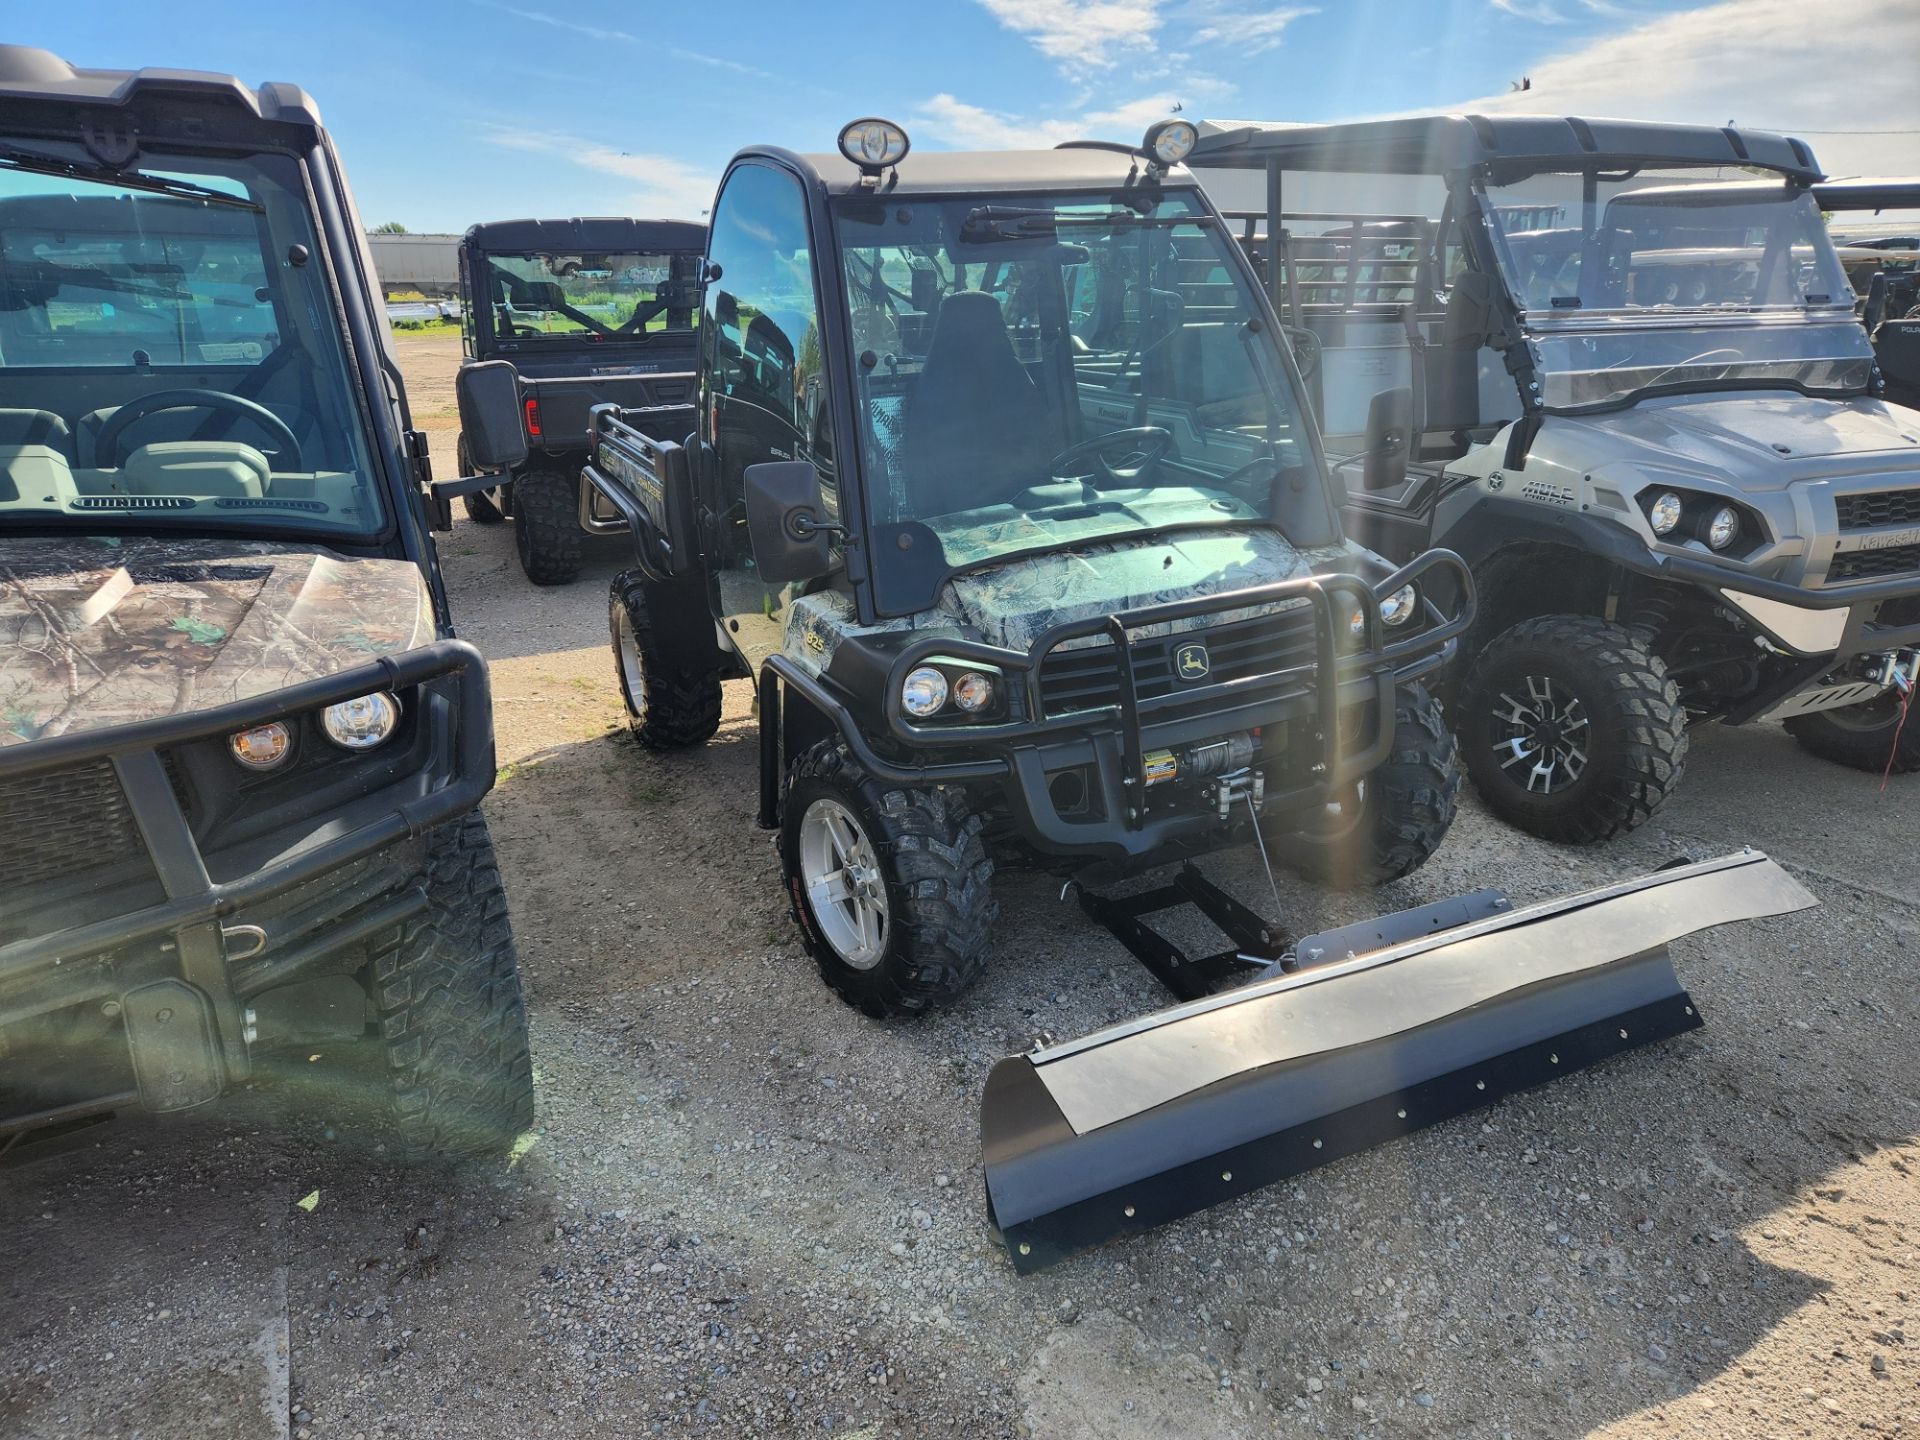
(873, 144)
(1169, 142)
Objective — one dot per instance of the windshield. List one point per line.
(591, 296)
(1640, 281)
(1051, 369)
(172, 360)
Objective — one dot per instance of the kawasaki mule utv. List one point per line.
(1616, 367)
(240, 751)
(587, 312)
(1001, 489)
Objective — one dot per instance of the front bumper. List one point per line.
(1339, 705)
(233, 923)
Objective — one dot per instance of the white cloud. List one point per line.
(1251, 32)
(973, 127)
(666, 187)
(621, 37)
(1083, 36)
(1547, 12)
(1764, 64)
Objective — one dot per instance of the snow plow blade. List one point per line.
(1154, 1119)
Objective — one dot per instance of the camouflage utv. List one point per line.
(240, 751)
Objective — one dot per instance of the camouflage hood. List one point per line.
(1016, 603)
(98, 632)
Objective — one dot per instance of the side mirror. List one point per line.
(784, 521)
(1389, 440)
(489, 396)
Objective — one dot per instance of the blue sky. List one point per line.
(452, 111)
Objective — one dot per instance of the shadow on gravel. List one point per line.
(749, 1211)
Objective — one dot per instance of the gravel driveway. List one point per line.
(750, 1211)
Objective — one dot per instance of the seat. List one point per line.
(977, 430)
(36, 427)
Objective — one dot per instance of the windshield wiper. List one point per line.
(1012, 222)
(34, 162)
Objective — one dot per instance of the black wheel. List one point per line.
(481, 505)
(891, 888)
(667, 707)
(1861, 736)
(1572, 728)
(1395, 818)
(452, 1020)
(546, 525)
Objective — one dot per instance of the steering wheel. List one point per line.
(1145, 444)
(107, 446)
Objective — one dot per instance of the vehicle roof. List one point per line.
(596, 232)
(966, 172)
(1516, 144)
(1868, 192)
(38, 78)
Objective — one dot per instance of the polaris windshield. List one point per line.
(1639, 283)
(170, 350)
(1057, 369)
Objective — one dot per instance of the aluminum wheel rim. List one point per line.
(1541, 735)
(844, 886)
(633, 675)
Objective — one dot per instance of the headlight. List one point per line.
(263, 747)
(973, 692)
(923, 692)
(1664, 513)
(1399, 607)
(1723, 527)
(361, 723)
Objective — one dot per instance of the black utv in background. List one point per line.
(588, 312)
(240, 750)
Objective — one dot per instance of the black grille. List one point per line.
(1881, 507)
(1870, 564)
(1089, 677)
(63, 823)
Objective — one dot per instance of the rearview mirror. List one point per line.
(785, 523)
(489, 396)
(1389, 441)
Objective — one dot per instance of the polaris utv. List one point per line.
(240, 749)
(1616, 367)
(587, 312)
(1001, 488)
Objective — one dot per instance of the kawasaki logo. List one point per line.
(1884, 540)
(1190, 662)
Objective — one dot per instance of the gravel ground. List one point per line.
(749, 1211)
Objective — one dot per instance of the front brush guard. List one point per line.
(1157, 1118)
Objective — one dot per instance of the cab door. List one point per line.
(762, 386)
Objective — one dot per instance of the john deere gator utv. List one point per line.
(587, 312)
(1616, 367)
(240, 749)
(1001, 489)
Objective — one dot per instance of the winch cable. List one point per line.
(1905, 687)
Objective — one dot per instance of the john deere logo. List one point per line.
(1190, 662)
